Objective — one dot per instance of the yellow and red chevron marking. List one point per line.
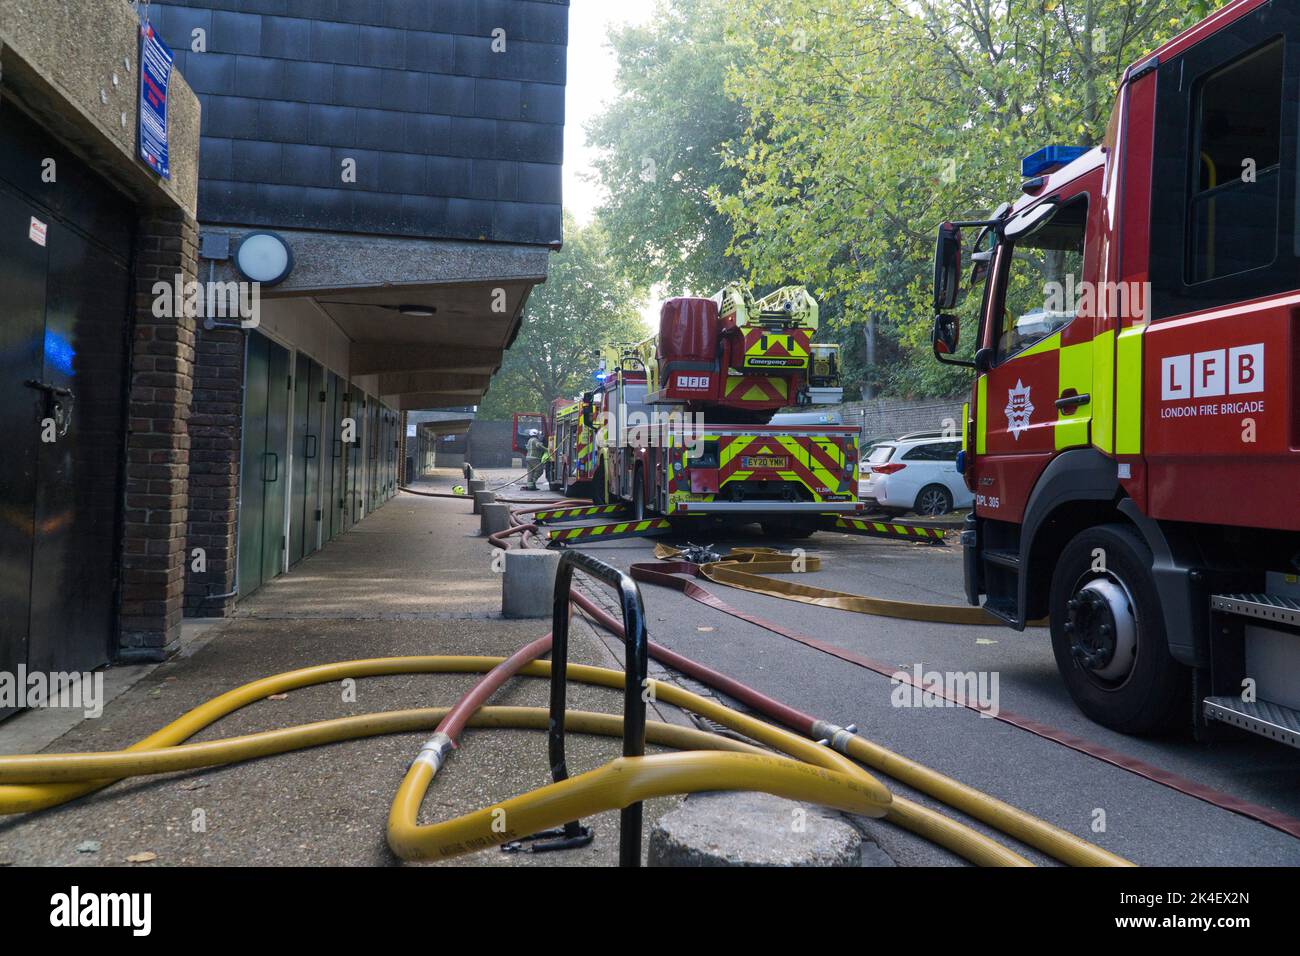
(756, 388)
(605, 532)
(585, 465)
(783, 350)
(888, 529)
(735, 450)
(591, 511)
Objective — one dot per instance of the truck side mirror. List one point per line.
(947, 267)
(947, 331)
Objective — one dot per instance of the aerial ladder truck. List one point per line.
(680, 423)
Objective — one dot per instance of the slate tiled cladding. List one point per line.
(450, 139)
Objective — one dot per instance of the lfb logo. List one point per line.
(1018, 409)
(1236, 371)
(693, 383)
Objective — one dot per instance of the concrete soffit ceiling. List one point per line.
(430, 319)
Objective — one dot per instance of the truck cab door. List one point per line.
(1214, 410)
(1035, 398)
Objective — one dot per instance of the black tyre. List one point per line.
(598, 495)
(1108, 633)
(932, 501)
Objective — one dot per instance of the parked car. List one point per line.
(914, 474)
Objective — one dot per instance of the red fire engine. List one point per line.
(680, 424)
(1133, 441)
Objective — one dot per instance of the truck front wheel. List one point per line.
(1108, 633)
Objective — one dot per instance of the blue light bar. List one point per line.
(1049, 159)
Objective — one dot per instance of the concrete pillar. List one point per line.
(482, 498)
(493, 518)
(528, 585)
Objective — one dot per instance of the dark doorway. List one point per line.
(65, 240)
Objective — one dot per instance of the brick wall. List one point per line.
(157, 443)
(489, 444)
(215, 428)
(897, 416)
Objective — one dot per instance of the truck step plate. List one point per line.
(583, 534)
(888, 529)
(1264, 607)
(1269, 720)
(589, 511)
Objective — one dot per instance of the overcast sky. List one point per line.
(590, 81)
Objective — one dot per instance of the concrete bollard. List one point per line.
(473, 487)
(757, 829)
(482, 498)
(493, 518)
(528, 585)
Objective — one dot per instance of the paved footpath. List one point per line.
(412, 578)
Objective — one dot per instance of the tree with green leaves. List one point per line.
(586, 302)
(660, 142)
(871, 121)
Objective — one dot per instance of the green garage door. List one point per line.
(263, 470)
(338, 403)
(305, 513)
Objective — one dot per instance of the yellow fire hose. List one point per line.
(818, 774)
(744, 569)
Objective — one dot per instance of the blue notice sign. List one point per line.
(155, 73)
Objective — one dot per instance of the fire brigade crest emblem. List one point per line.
(1018, 409)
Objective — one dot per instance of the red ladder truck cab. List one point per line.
(1133, 434)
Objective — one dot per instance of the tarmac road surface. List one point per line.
(1146, 822)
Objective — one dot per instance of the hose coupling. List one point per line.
(834, 736)
(434, 752)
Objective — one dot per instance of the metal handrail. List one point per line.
(636, 669)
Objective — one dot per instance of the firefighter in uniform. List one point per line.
(535, 458)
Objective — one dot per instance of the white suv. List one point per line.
(914, 474)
